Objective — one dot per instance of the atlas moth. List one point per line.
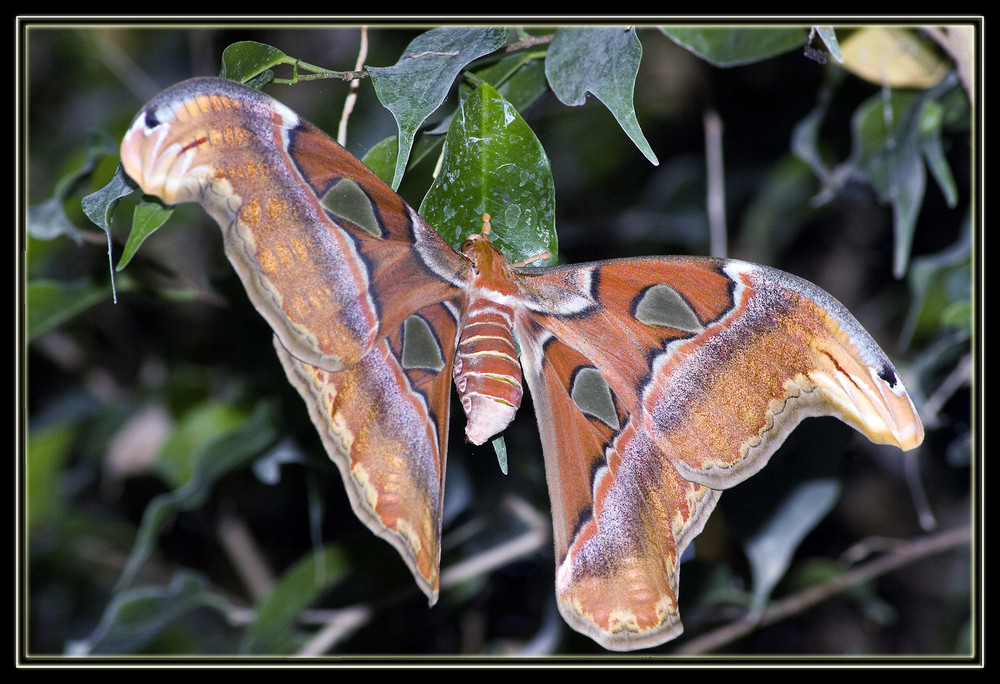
(657, 382)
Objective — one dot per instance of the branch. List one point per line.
(901, 556)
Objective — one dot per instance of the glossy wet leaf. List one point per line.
(494, 164)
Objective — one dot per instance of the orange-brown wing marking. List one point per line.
(407, 262)
(323, 284)
(720, 360)
(384, 422)
(622, 514)
(658, 382)
(720, 404)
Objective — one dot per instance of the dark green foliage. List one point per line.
(153, 421)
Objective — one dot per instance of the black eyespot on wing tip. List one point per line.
(888, 374)
(150, 120)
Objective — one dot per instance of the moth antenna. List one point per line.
(537, 257)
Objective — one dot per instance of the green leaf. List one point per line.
(519, 77)
(728, 47)
(494, 164)
(217, 455)
(244, 60)
(941, 286)
(135, 617)
(100, 206)
(381, 158)
(771, 549)
(47, 220)
(805, 143)
(887, 154)
(779, 210)
(99, 146)
(775, 510)
(50, 303)
(146, 219)
(500, 447)
(419, 82)
(829, 38)
(196, 431)
(895, 134)
(930, 124)
(49, 449)
(274, 629)
(602, 61)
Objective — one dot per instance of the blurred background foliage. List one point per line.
(178, 500)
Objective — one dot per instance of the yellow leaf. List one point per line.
(892, 56)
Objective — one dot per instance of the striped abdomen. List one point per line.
(487, 371)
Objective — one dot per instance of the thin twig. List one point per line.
(246, 556)
(352, 93)
(535, 537)
(901, 556)
(716, 184)
(529, 41)
(337, 626)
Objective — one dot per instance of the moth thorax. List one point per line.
(487, 372)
